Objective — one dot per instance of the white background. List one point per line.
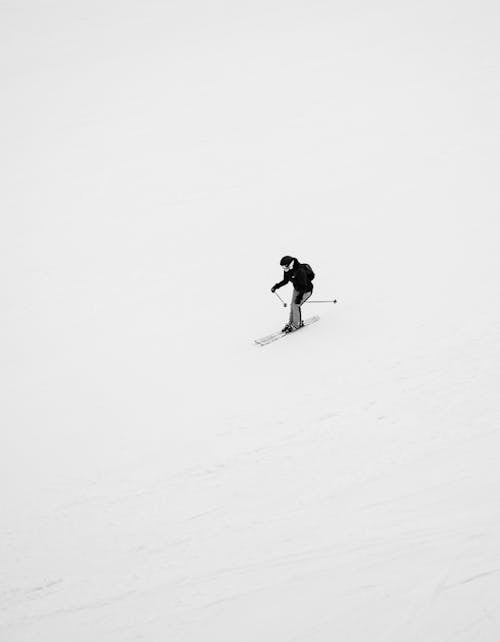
(162, 478)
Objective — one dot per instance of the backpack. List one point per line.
(309, 271)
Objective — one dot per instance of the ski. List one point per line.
(263, 341)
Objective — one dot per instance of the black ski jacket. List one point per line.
(298, 277)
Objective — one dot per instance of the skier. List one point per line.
(301, 276)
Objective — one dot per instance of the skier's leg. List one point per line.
(306, 296)
(295, 312)
(292, 306)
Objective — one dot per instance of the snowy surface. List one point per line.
(162, 478)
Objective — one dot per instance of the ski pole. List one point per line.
(316, 301)
(284, 304)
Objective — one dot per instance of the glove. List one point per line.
(298, 299)
(274, 288)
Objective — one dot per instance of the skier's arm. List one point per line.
(301, 285)
(279, 285)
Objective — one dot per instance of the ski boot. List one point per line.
(291, 328)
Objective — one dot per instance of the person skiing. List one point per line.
(301, 276)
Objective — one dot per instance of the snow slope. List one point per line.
(162, 477)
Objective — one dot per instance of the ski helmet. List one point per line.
(286, 260)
